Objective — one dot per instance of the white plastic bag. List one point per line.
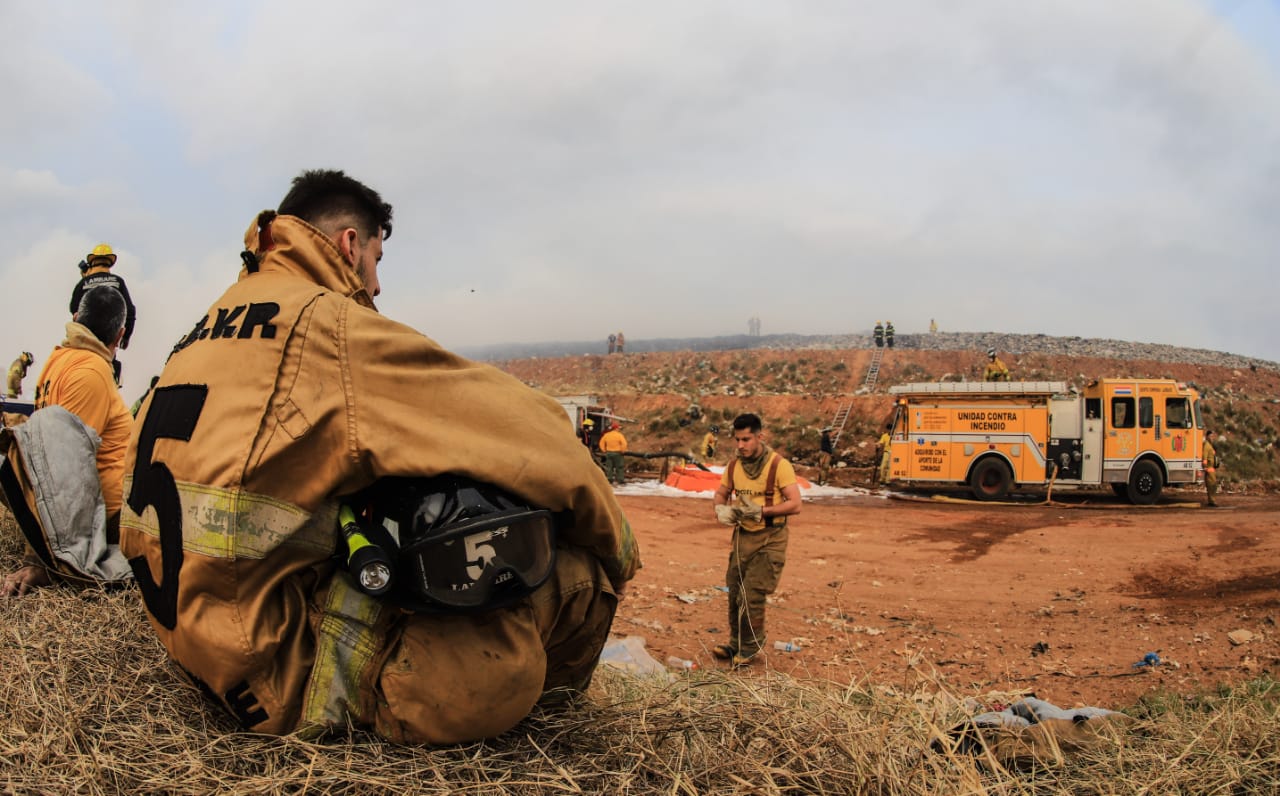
(630, 655)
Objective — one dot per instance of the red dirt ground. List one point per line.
(1057, 599)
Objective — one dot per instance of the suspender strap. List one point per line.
(770, 481)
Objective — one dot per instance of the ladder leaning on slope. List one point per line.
(868, 384)
(873, 371)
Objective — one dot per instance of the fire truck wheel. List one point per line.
(990, 479)
(1145, 483)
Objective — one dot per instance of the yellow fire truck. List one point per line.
(1138, 435)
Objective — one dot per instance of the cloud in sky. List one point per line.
(562, 170)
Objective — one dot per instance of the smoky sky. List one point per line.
(564, 170)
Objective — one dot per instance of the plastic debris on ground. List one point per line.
(657, 488)
(1034, 731)
(629, 655)
(1150, 659)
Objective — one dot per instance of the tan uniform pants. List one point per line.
(455, 678)
(755, 565)
(824, 465)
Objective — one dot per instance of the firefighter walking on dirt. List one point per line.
(758, 492)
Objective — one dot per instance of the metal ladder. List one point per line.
(873, 372)
(837, 423)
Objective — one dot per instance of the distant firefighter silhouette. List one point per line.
(18, 372)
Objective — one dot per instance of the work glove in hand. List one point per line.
(727, 515)
(748, 511)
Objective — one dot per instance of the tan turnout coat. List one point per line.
(292, 391)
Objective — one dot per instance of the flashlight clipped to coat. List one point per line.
(367, 562)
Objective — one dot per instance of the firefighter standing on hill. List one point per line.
(708, 450)
(826, 448)
(878, 334)
(18, 372)
(95, 270)
(996, 370)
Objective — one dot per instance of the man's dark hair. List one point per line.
(102, 312)
(747, 422)
(324, 197)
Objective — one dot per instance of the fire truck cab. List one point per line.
(1138, 435)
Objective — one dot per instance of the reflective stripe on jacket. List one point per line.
(291, 392)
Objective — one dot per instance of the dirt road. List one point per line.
(1058, 599)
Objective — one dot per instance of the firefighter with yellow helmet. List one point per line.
(95, 270)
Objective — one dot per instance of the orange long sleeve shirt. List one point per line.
(77, 376)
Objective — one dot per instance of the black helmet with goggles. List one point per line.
(446, 543)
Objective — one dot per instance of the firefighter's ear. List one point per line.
(346, 241)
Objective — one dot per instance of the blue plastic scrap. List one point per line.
(1150, 659)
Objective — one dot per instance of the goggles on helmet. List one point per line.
(455, 544)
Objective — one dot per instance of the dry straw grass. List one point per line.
(90, 705)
